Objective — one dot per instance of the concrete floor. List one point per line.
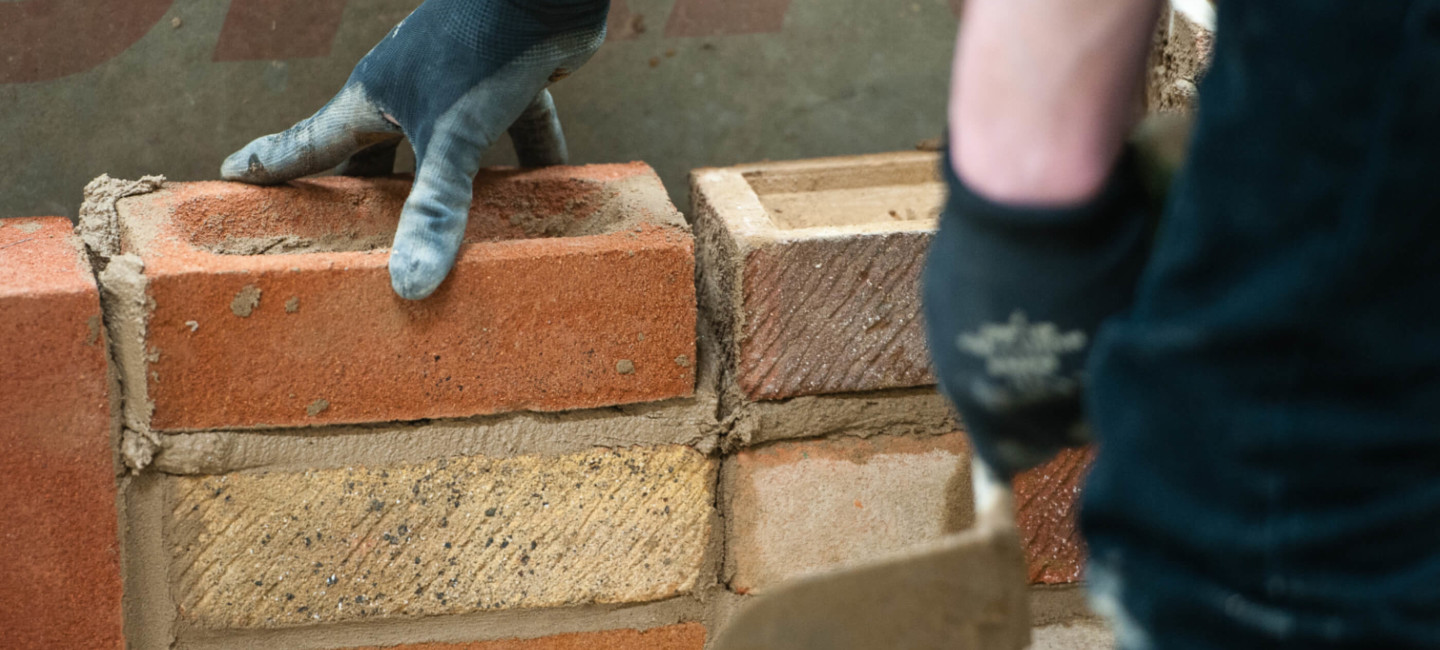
(1079, 635)
(679, 84)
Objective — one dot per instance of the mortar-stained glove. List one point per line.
(450, 78)
(1013, 297)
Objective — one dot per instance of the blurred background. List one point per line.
(134, 87)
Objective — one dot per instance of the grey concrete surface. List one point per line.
(839, 77)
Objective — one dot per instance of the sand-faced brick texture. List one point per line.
(445, 537)
(1178, 61)
(796, 508)
(1047, 502)
(811, 270)
(686, 636)
(271, 306)
(60, 570)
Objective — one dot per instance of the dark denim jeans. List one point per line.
(1268, 407)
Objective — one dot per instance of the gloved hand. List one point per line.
(1014, 296)
(450, 77)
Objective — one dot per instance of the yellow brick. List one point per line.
(445, 537)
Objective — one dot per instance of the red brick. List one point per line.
(686, 636)
(60, 572)
(1046, 505)
(795, 508)
(528, 320)
(812, 269)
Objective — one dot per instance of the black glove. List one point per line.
(1013, 297)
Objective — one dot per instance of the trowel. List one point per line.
(965, 591)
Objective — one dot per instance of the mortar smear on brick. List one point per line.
(901, 411)
(99, 221)
(687, 421)
(125, 305)
(127, 314)
(446, 537)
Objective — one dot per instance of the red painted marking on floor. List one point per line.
(722, 17)
(48, 39)
(278, 29)
(623, 24)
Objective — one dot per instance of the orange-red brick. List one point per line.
(60, 572)
(686, 636)
(525, 322)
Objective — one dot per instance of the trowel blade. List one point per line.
(963, 592)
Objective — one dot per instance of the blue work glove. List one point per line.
(1013, 297)
(450, 78)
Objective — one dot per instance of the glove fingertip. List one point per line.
(241, 166)
(416, 272)
(248, 164)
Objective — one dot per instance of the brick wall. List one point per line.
(573, 444)
(810, 273)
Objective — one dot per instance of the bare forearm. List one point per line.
(1043, 93)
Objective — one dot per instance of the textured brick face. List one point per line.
(1047, 504)
(60, 573)
(446, 537)
(813, 267)
(687, 636)
(801, 507)
(834, 315)
(1178, 60)
(570, 275)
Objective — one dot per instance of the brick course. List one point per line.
(272, 305)
(450, 536)
(60, 573)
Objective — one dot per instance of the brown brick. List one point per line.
(60, 572)
(1046, 504)
(795, 508)
(445, 537)
(1178, 60)
(272, 305)
(686, 636)
(812, 268)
